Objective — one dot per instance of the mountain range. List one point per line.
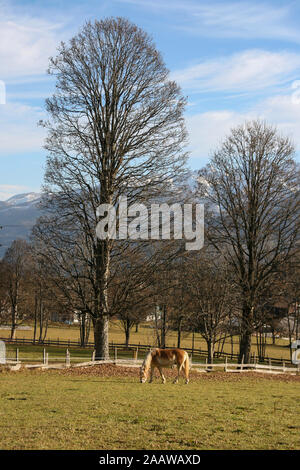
(19, 213)
(17, 217)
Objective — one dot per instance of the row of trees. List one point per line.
(197, 292)
(115, 127)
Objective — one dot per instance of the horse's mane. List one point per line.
(147, 360)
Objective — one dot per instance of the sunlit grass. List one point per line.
(46, 410)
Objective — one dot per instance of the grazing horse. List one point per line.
(165, 358)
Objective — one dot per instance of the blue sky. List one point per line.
(235, 60)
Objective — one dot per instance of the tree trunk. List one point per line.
(84, 325)
(82, 328)
(35, 319)
(13, 331)
(41, 321)
(246, 335)
(13, 323)
(45, 330)
(163, 327)
(210, 351)
(245, 347)
(101, 325)
(179, 332)
(127, 333)
(101, 337)
(157, 329)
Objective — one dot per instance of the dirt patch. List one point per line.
(111, 370)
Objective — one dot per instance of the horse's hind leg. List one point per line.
(178, 373)
(186, 372)
(175, 381)
(162, 375)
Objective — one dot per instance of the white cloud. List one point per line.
(9, 190)
(229, 19)
(207, 130)
(244, 20)
(284, 111)
(18, 128)
(249, 70)
(26, 42)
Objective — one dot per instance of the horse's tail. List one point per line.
(187, 361)
(186, 365)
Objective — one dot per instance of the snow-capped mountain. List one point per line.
(17, 217)
(19, 213)
(23, 199)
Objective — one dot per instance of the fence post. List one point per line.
(68, 358)
(47, 358)
(44, 356)
(93, 355)
(242, 363)
(283, 366)
(116, 355)
(17, 355)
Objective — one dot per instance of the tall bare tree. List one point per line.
(252, 185)
(17, 265)
(3, 293)
(288, 291)
(115, 127)
(212, 298)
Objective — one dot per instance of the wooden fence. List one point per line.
(196, 353)
(60, 363)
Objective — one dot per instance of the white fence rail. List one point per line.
(80, 361)
(232, 367)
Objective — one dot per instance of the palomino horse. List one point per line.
(165, 358)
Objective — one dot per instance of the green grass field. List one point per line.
(75, 410)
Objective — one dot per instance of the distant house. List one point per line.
(155, 316)
(68, 318)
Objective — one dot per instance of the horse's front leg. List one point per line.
(151, 374)
(162, 375)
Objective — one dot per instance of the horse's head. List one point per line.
(143, 375)
(144, 370)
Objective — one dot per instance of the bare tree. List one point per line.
(288, 290)
(17, 262)
(212, 297)
(84, 327)
(252, 184)
(45, 297)
(177, 298)
(3, 293)
(115, 127)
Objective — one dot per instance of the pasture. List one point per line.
(146, 335)
(105, 407)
